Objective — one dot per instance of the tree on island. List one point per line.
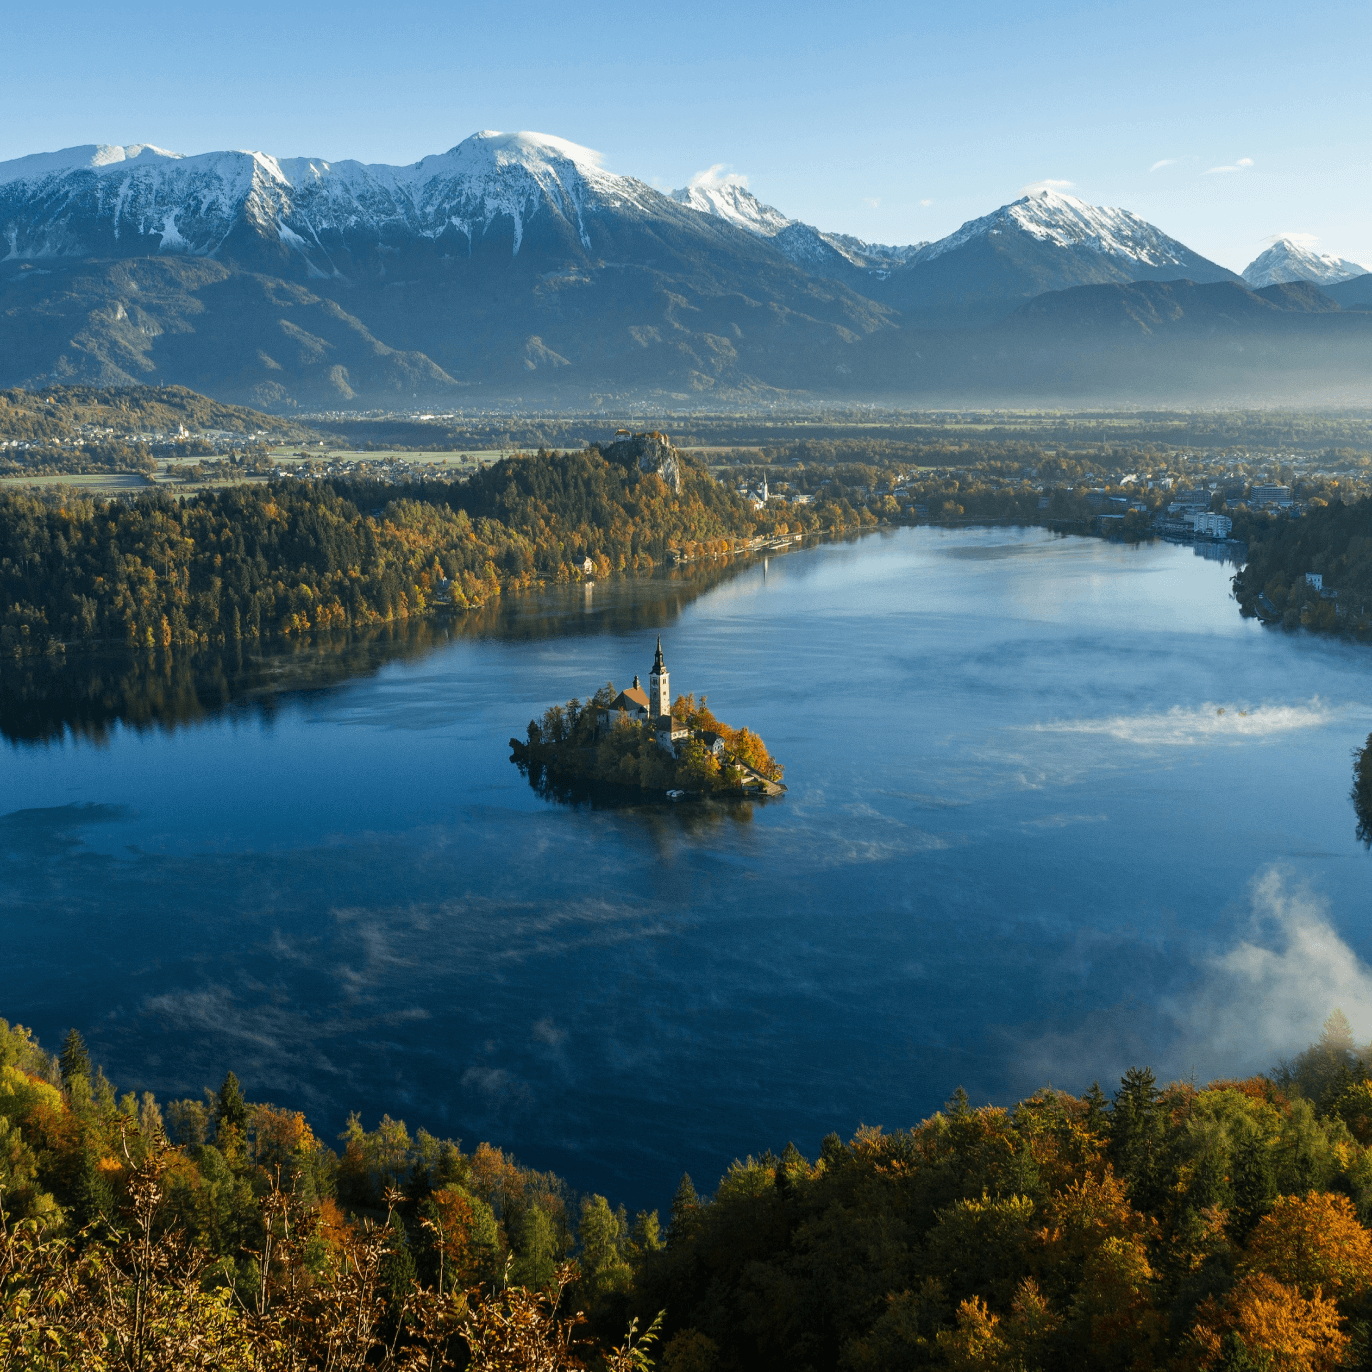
(576, 741)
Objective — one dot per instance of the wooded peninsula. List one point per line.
(1179, 1226)
(294, 557)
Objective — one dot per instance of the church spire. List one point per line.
(659, 687)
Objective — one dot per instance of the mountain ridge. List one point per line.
(517, 264)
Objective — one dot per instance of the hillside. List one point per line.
(1332, 540)
(65, 413)
(1210, 1229)
(300, 557)
(1173, 344)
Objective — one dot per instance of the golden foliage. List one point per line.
(1273, 1321)
(1314, 1243)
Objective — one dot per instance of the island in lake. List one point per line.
(646, 740)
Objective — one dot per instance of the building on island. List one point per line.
(714, 743)
(653, 706)
(633, 701)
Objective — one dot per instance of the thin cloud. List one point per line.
(1241, 165)
(1304, 240)
(926, 203)
(1046, 185)
(718, 175)
(873, 201)
(1163, 162)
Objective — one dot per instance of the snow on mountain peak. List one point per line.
(1292, 257)
(527, 147)
(726, 194)
(1055, 217)
(192, 202)
(96, 157)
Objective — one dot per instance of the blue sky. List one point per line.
(895, 122)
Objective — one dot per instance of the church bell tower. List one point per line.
(659, 687)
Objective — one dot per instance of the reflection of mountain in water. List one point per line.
(87, 691)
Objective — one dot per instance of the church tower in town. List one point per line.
(659, 687)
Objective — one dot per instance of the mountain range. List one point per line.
(515, 267)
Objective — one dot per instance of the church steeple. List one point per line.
(659, 687)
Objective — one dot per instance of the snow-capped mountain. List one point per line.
(508, 258)
(1045, 241)
(1289, 259)
(1064, 221)
(729, 198)
(519, 264)
(123, 201)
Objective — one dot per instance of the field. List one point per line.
(327, 461)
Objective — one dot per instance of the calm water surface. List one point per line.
(1021, 843)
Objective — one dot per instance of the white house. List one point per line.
(1214, 525)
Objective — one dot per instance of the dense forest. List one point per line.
(296, 557)
(1185, 1227)
(594, 742)
(1333, 540)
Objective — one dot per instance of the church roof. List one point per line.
(657, 660)
(630, 699)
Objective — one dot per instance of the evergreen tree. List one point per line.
(685, 1210)
(1253, 1182)
(1097, 1110)
(1136, 1132)
(74, 1059)
(230, 1107)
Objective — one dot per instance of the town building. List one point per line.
(1270, 495)
(1190, 500)
(1211, 525)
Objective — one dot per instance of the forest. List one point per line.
(298, 557)
(1334, 540)
(593, 742)
(1172, 1227)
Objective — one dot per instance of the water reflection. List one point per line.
(1362, 791)
(695, 817)
(87, 691)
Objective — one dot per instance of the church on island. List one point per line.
(658, 753)
(653, 708)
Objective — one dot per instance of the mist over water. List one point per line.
(1054, 809)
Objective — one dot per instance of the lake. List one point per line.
(1054, 809)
